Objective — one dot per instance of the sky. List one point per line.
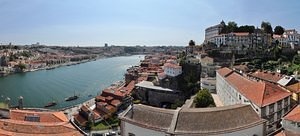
(133, 22)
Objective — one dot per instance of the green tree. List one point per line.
(267, 27)
(246, 28)
(22, 66)
(203, 99)
(279, 30)
(192, 43)
(231, 27)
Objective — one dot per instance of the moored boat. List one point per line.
(50, 104)
(71, 98)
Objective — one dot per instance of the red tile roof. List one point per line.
(115, 103)
(109, 98)
(170, 65)
(269, 76)
(294, 115)
(259, 92)
(224, 71)
(100, 98)
(79, 119)
(241, 33)
(50, 124)
(44, 116)
(295, 88)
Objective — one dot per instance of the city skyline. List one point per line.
(121, 22)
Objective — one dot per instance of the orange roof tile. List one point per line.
(171, 65)
(44, 116)
(261, 93)
(100, 98)
(269, 76)
(81, 120)
(294, 115)
(224, 71)
(115, 102)
(241, 33)
(51, 123)
(294, 87)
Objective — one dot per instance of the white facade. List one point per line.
(291, 125)
(272, 112)
(209, 84)
(172, 69)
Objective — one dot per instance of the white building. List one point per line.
(234, 120)
(290, 38)
(269, 100)
(213, 31)
(209, 84)
(172, 69)
(291, 122)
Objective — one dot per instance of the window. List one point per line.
(263, 111)
(131, 134)
(271, 118)
(279, 115)
(271, 108)
(279, 105)
(285, 101)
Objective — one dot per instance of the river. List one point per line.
(40, 87)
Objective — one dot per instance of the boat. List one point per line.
(71, 98)
(50, 104)
(49, 68)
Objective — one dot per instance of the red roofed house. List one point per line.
(269, 100)
(295, 89)
(171, 69)
(35, 122)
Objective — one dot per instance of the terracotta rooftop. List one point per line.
(266, 75)
(294, 87)
(49, 124)
(294, 115)
(81, 120)
(100, 98)
(115, 103)
(224, 71)
(171, 65)
(260, 92)
(44, 116)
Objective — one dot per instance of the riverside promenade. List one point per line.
(70, 111)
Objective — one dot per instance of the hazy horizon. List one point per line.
(135, 22)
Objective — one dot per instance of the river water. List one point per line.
(86, 80)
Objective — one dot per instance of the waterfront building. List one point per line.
(295, 89)
(111, 100)
(172, 69)
(269, 100)
(35, 122)
(234, 120)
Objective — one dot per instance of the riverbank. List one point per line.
(86, 80)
